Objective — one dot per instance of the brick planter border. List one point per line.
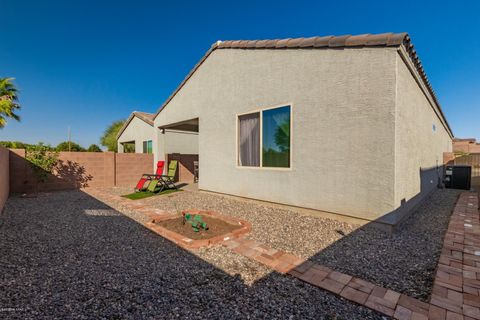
(456, 290)
(188, 243)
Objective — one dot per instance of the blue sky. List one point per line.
(85, 64)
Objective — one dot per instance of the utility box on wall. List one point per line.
(458, 177)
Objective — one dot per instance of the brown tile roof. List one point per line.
(384, 39)
(345, 41)
(147, 117)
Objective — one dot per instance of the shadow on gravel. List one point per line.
(403, 259)
(68, 255)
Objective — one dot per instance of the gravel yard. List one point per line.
(404, 262)
(67, 255)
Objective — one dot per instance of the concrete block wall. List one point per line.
(4, 177)
(448, 158)
(77, 170)
(130, 166)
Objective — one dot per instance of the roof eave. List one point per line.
(130, 118)
(365, 40)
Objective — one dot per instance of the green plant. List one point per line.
(195, 221)
(129, 147)
(42, 159)
(109, 137)
(13, 144)
(94, 148)
(69, 146)
(8, 101)
(20, 145)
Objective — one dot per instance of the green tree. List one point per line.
(13, 144)
(109, 137)
(43, 160)
(94, 148)
(69, 146)
(129, 147)
(282, 136)
(8, 101)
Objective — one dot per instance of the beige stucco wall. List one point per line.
(172, 141)
(138, 131)
(181, 142)
(169, 142)
(418, 148)
(343, 125)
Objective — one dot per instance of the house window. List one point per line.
(129, 147)
(147, 146)
(249, 140)
(271, 148)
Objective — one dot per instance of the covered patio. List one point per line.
(191, 125)
(188, 170)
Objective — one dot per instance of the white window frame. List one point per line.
(260, 111)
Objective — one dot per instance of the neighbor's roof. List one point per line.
(146, 117)
(473, 140)
(344, 41)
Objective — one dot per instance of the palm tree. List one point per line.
(8, 101)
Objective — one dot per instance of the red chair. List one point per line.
(142, 184)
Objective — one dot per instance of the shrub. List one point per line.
(42, 160)
(94, 148)
(69, 146)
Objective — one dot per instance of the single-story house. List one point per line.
(344, 124)
(468, 145)
(137, 135)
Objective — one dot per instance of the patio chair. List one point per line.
(144, 181)
(142, 184)
(195, 171)
(169, 179)
(155, 186)
(158, 172)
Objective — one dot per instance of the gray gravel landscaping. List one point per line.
(68, 255)
(404, 262)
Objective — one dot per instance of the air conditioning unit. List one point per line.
(458, 177)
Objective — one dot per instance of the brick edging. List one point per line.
(362, 292)
(456, 291)
(159, 215)
(188, 243)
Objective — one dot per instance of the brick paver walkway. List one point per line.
(456, 291)
(354, 289)
(457, 282)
